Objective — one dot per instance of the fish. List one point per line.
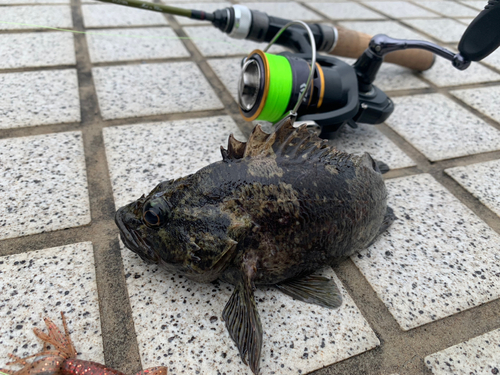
(273, 211)
(61, 360)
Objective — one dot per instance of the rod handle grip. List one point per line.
(353, 43)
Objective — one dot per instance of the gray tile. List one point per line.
(207, 7)
(35, 17)
(400, 9)
(39, 98)
(478, 355)
(476, 4)
(366, 138)
(493, 59)
(390, 28)
(42, 283)
(152, 89)
(292, 10)
(442, 74)
(482, 181)
(444, 29)
(485, 100)
(437, 259)
(134, 44)
(345, 11)
(228, 71)
(43, 185)
(141, 156)
(200, 340)
(212, 42)
(440, 128)
(449, 8)
(14, 2)
(36, 49)
(176, 2)
(103, 15)
(395, 77)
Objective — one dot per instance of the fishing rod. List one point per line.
(332, 93)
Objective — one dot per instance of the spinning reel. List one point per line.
(321, 88)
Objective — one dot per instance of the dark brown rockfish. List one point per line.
(274, 210)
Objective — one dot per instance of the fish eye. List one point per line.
(155, 212)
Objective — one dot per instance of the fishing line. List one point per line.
(131, 36)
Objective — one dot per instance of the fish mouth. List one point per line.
(132, 239)
(125, 233)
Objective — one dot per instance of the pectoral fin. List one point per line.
(243, 323)
(313, 289)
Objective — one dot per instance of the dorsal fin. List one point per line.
(285, 141)
(235, 149)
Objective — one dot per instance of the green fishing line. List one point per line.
(126, 35)
(280, 88)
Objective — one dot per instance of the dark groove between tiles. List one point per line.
(121, 350)
(35, 68)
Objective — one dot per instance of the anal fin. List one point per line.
(313, 289)
(243, 323)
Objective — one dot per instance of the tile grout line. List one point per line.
(120, 345)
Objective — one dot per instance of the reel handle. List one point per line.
(353, 43)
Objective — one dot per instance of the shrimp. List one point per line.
(62, 359)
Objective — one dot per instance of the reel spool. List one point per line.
(272, 85)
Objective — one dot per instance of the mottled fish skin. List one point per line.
(276, 208)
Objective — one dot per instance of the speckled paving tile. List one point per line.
(465, 21)
(390, 28)
(39, 98)
(493, 60)
(444, 29)
(476, 4)
(481, 180)
(174, 149)
(292, 10)
(485, 100)
(395, 77)
(479, 355)
(35, 17)
(437, 259)
(104, 15)
(41, 284)
(134, 44)
(228, 71)
(366, 138)
(444, 74)
(14, 2)
(207, 7)
(43, 184)
(345, 11)
(298, 337)
(212, 42)
(36, 49)
(152, 89)
(183, 336)
(400, 9)
(440, 128)
(449, 8)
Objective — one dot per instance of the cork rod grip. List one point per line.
(353, 43)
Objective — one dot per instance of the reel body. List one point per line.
(270, 85)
